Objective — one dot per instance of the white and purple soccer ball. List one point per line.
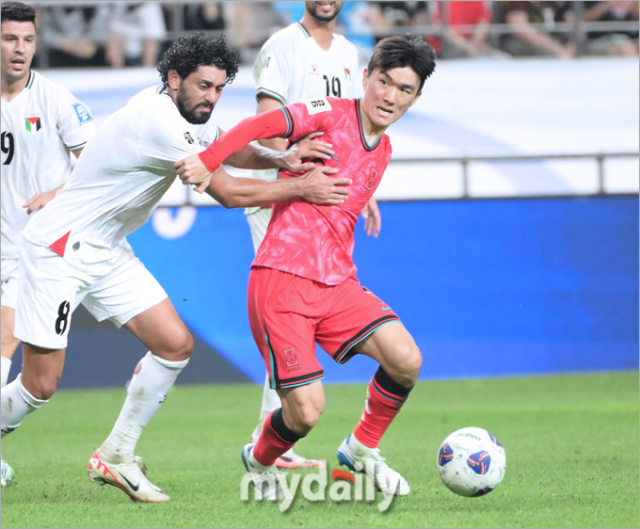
(471, 462)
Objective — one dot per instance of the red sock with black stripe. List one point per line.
(385, 397)
(276, 438)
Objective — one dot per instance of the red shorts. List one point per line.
(289, 314)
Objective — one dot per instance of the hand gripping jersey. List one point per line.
(117, 182)
(291, 67)
(39, 129)
(315, 242)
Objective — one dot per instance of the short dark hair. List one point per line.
(406, 50)
(187, 53)
(18, 12)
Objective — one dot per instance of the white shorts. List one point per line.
(258, 223)
(9, 283)
(49, 290)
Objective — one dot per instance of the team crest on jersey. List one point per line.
(347, 74)
(291, 357)
(33, 124)
(82, 113)
(189, 138)
(315, 106)
(372, 178)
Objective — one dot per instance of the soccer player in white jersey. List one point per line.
(75, 251)
(42, 123)
(305, 60)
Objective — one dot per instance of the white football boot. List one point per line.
(7, 474)
(360, 458)
(127, 476)
(267, 481)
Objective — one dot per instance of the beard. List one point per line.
(313, 11)
(191, 114)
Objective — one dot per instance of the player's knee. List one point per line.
(44, 386)
(306, 417)
(407, 365)
(180, 346)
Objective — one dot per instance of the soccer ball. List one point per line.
(471, 462)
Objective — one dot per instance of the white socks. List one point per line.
(270, 402)
(17, 403)
(147, 391)
(4, 370)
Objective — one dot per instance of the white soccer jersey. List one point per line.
(292, 67)
(117, 182)
(207, 133)
(39, 128)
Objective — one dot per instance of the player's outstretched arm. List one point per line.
(314, 186)
(271, 124)
(258, 157)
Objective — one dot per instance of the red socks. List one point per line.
(276, 438)
(385, 397)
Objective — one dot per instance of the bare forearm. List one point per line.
(277, 144)
(234, 192)
(255, 157)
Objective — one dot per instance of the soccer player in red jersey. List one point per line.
(303, 287)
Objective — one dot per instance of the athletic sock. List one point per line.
(4, 370)
(385, 397)
(276, 438)
(270, 402)
(147, 391)
(17, 403)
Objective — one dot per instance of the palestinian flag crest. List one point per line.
(33, 124)
(347, 74)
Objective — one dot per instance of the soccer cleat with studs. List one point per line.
(128, 477)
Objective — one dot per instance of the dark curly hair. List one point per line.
(187, 53)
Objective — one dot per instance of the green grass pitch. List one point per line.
(571, 444)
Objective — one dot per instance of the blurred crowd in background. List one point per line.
(120, 34)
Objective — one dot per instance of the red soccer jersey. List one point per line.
(316, 242)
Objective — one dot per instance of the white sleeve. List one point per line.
(74, 121)
(274, 69)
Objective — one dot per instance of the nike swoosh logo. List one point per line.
(134, 488)
(385, 308)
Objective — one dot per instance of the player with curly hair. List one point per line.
(75, 250)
